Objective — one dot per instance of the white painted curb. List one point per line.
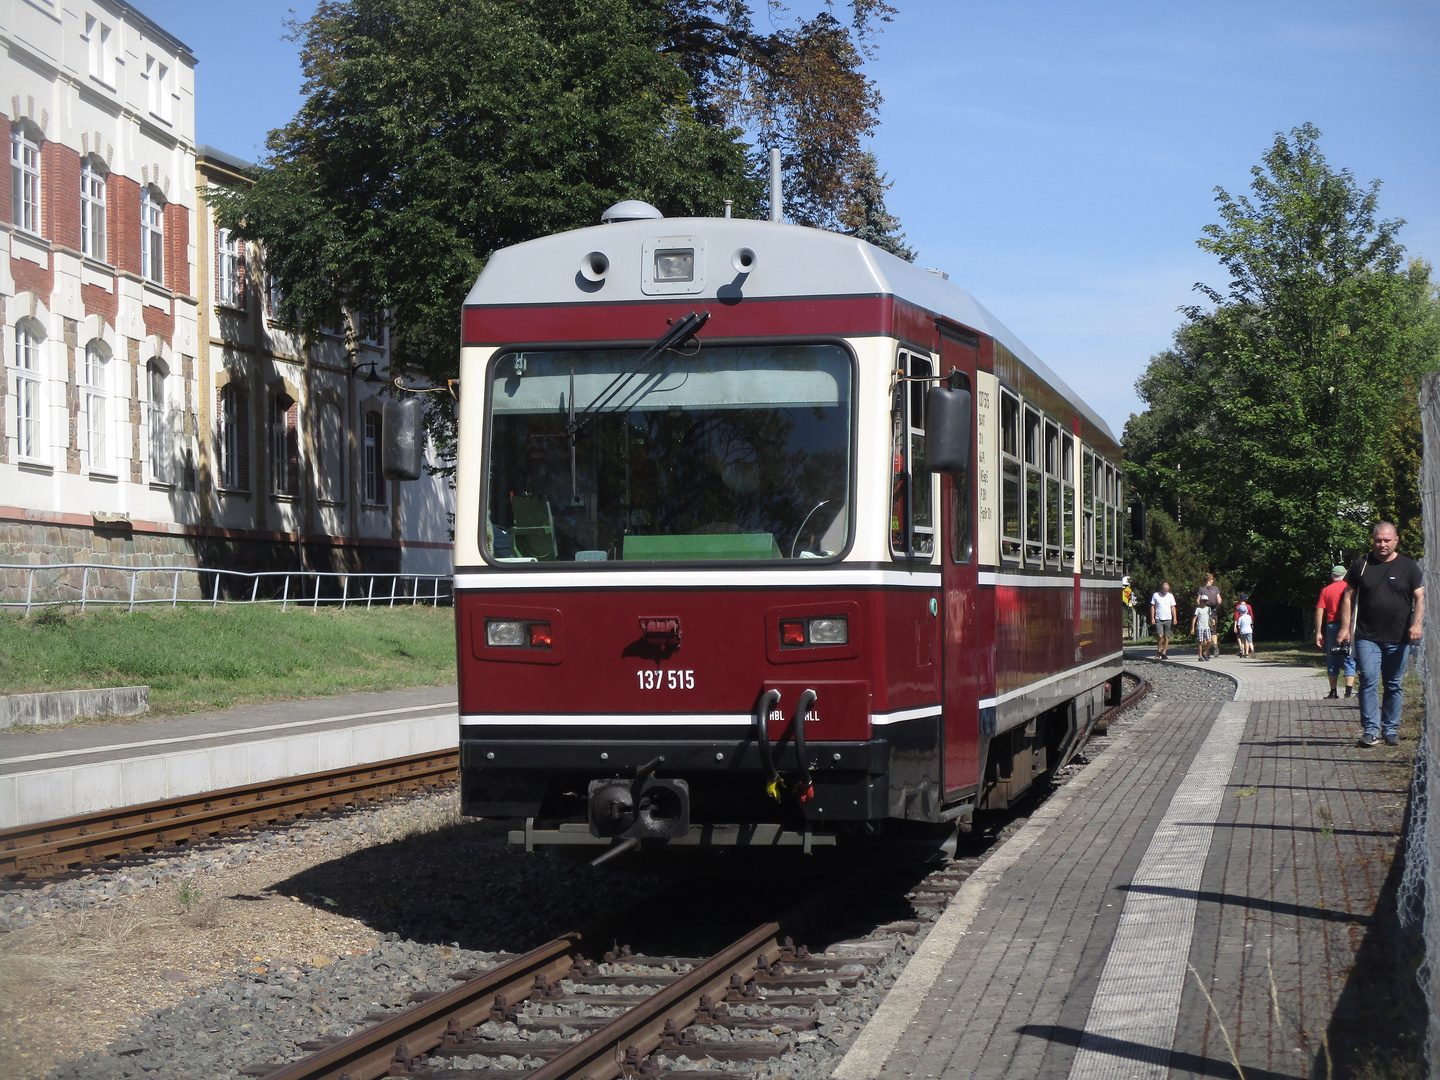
(46, 794)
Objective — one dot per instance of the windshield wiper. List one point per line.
(678, 334)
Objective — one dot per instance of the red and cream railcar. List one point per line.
(707, 590)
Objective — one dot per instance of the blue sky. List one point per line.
(1058, 160)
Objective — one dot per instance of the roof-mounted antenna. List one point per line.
(775, 195)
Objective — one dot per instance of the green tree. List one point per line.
(1170, 553)
(1265, 424)
(435, 131)
(798, 87)
(865, 215)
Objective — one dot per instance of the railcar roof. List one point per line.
(790, 261)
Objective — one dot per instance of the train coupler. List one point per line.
(646, 808)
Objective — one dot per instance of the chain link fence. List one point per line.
(26, 587)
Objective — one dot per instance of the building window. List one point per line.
(274, 297)
(229, 270)
(97, 38)
(372, 328)
(234, 438)
(29, 391)
(284, 446)
(92, 209)
(158, 76)
(152, 236)
(156, 424)
(24, 181)
(332, 457)
(96, 397)
(374, 479)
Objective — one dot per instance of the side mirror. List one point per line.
(402, 453)
(1137, 522)
(947, 430)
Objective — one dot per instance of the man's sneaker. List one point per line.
(1368, 740)
(1332, 695)
(1392, 740)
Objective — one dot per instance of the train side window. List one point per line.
(1109, 513)
(1087, 508)
(1010, 529)
(1052, 494)
(1034, 491)
(1120, 520)
(1099, 515)
(912, 519)
(1067, 486)
(962, 545)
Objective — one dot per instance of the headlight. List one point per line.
(834, 631)
(506, 632)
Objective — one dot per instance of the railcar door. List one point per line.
(963, 636)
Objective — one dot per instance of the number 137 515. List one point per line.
(657, 679)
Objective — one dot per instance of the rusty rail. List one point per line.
(623, 1044)
(416, 1031)
(51, 847)
(401, 1044)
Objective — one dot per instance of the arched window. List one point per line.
(96, 402)
(234, 438)
(25, 180)
(92, 209)
(29, 390)
(156, 424)
(332, 456)
(152, 236)
(370, 460)
(284, 445)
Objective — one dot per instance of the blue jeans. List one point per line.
(1332, 659)
(1379, 660)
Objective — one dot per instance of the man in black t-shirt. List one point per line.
(1389, 592)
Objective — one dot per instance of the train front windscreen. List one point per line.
(709, 454)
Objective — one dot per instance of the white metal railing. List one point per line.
(313, 589)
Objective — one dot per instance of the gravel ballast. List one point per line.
(384, 903)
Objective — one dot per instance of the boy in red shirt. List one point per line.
(1327, 611)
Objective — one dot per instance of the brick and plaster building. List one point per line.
(292, 475)
(151, 414)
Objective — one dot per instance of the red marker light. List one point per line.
(540, 635)
(792, 633)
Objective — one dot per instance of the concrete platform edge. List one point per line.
(61, 706)
(877, 1040)
(46, 794)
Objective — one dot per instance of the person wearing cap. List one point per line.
(1245, 625)
(1327, 629)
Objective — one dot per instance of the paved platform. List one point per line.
(53, 773)
(1202, 895)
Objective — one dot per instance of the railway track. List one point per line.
(551, 1014)
(568, 1018)
(47, 848)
